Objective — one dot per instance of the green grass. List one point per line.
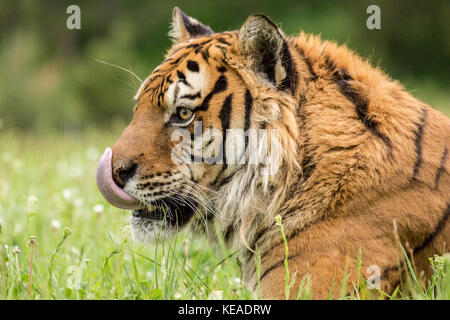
(81, 245)
(48, 185)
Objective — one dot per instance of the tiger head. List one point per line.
(195, 146)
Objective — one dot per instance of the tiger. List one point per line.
(361, 168)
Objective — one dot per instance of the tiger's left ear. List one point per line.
(266, 51)
(185, 27)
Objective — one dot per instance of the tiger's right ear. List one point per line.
(185, 27)
(266, 51)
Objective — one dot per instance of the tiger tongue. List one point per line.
(109, 189)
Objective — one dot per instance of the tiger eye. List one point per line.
(184, 113)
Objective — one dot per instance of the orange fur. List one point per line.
(363, 163)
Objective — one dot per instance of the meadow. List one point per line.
(81, 245)
(59, 239)
(62, 101)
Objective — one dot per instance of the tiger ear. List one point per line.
(266, 51)
(185, 27)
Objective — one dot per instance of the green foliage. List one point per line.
(51, 78)
(82, 245)
(83, 248)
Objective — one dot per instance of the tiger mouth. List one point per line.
(174, 213)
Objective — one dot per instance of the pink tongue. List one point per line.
(109, 189)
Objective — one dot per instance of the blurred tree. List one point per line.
(50, 78)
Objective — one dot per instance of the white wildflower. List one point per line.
(98, 208)
(56, 224)
(32, 202)
(67, 194)
(236, 281)
(216, 295)
(74, 277)
(125, 232)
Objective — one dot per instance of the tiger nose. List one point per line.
(124, 172)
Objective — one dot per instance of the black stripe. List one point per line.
(292, 235)
(436, 231)
(225, 116)
(330, 64)
(181, 75)
(150, 81)
(201, 45)
(208, 144)
(418, 143)
(161, 90)
(314, 76)
(390, 269)
(441, 168)
(307, 167)
(342, 78)
(387, 270)
(219, 86)
(224, 181)
(228, 232)
(248, 112)
(193, 66)
(205, 53)
(308, 63)
(338, 149)
(221, 69)
(192, 174)
(277, 265)
(262, 232)
(191, 96)
(221, 40)
(426, 242)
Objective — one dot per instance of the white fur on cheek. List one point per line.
(131, 188)
(170, 98)
(198, 81)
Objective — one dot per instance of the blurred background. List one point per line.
(60, 107)
(51, 81)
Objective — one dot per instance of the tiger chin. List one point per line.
(360, 167)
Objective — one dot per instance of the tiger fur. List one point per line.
(363, 165)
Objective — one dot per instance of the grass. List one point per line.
(82, 247)
(59, 239)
